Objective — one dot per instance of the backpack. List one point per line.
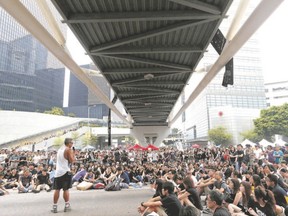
(114, 186)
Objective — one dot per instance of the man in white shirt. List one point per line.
(63, 176)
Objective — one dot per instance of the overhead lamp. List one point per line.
(148, 76)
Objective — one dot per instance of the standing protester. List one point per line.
(63, 176)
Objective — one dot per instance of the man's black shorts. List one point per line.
(63, 182)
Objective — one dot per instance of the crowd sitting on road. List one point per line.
(241, 180)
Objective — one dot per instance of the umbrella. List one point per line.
(136, 147)
(195, 146)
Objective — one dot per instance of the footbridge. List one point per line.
(147, 50)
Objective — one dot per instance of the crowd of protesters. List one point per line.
(241, 180)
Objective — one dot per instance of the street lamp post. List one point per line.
(89, 118)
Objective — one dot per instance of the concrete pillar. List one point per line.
(141, 132)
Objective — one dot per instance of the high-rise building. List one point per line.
(276, 93)
(82, 102)
(31, 78)
(233, 107)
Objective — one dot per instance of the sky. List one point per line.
(273, 39)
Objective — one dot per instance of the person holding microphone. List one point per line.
(63, 176)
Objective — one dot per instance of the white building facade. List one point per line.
(239, 104)
(276, 93)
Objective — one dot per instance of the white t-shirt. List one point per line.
(62, 164)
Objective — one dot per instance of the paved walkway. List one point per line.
(84, 203)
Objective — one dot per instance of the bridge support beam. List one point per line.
(150, 134)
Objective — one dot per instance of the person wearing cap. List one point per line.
(279, 192)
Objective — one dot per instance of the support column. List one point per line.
(140, 132)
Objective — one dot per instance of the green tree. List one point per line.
(75, 136)
(273, 120)
(55, 111)
(219, 136)
(58, 141)
(175, 131)
(88, 139)
(250, 135)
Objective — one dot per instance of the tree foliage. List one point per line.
(175, 131)
(273, 120)
(89, 139)
(55, 111)
(219, 136)
(250, 135)
(58, 141)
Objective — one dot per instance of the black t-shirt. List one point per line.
(267, 210)
(279, 194)
(240, 152)
(221, 211)
(194, 198)
(171, 204)
(43, 179)
(13, 177)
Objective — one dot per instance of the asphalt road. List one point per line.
(83, 203)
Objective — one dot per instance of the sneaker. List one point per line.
(54, 209)
(48, 190)
(67, 208)
(35, 191)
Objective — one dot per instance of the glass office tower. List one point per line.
(234, 107)
(82, 102)
(31, 78)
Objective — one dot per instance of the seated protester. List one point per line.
(108, 176)
(22, 160)
(191, 193)
(220, 183)
(26, 183)
(247, 200)
(255, 181)
(3, 191)
(89, 176)
(32, 169)
(169, 201)
(43, 182)
(205, 185)
(189, 211)
(134, 176)
(270, 169)
(284, 174)
(235, 195)
(214, 203)
(158, 185)
(78, 177)
(279, 192)
(12, 179)
(124, 177)
(264, 203)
